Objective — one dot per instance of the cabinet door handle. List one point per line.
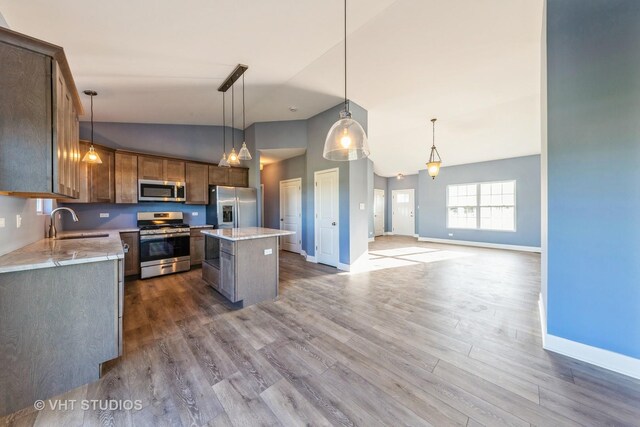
(125, 247)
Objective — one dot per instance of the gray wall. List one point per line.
(393, 183)
(33, 225)
(526, 172)
(593, 149)
(271, 176)
(370, 187)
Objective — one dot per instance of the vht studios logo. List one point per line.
(88, 404)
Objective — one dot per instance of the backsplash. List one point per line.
(32, 226)
(124, 215)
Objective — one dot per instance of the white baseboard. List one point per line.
(481, 244)
(372, 239)
(416, 235)
(606, 359)
(344, 267)
(309, 258)
(388, 233)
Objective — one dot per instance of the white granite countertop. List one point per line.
(58, 252)
(246, 233)
(201, 226)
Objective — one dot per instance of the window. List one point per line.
(44, 206)
(484, 206)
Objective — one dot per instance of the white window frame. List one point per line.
(479, 206)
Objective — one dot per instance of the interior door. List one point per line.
(291, 214)
(378, 212)
(403, 212)
(326, 217)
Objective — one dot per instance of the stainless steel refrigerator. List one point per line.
(232, 207)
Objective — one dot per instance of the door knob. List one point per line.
(281, 219)
(333, 223)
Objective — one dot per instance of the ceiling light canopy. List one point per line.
(92, 156)
(433, 167)
(346, 140)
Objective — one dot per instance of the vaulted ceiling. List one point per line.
(473, 64)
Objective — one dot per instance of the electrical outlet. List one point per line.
(104, 214)
(194, 213)
(1, 222)
(450, 234)
(18, 221)
(361, 206)
(268, 251)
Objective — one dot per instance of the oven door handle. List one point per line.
(163, 236)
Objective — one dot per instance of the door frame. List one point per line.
(299, 228)
(393, 228)
(316, 229)
(384, 208)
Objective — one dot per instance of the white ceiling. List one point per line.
(273, 155)
(474, 64)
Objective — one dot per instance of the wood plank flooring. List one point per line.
(433, 335)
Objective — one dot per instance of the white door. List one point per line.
(403, 212)
(378, 212)
(326, 217)
(291, 214)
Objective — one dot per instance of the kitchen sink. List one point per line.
(82, 236)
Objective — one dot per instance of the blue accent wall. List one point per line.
(432, 200)
(593, 93)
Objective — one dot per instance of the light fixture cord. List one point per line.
(224, 125)
(243, 120)
(91, 121)
(346, 103)
(233, 108)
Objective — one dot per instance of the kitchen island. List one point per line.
(242, 263)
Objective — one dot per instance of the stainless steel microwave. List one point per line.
(161, 191)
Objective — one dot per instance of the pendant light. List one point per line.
(346, 140)
(433, 167)
(92, 156)
(224, 163)
(233, 156)
(244, 153)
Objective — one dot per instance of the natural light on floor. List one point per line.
(404, 257)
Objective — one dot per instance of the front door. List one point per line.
(403, 212)
(291, 214)
(326, 217)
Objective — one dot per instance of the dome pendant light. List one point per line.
(224, 163)
(346, 140)
(244, 153)
(433, 167)
(92, 156)
(233, 156)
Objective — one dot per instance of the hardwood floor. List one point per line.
(433, 335)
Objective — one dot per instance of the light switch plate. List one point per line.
(1, 222)
(18, 221)
(194, 213)
(104, 214)
(450, 234)
(361, 206)
(268, 251)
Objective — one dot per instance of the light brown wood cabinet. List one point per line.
(39, 107)
(126, 178)
(159, 169)
(132, 256)
(197, 245)
(218, 176)
(238, 177)
(235, 177)
(197, 182)
(96, 180)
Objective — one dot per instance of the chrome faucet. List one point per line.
(53, 232)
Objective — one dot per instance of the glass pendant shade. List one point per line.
(223, 161)
(244, 152)
(233, 158)
(92, 156)
(346, 140)
(433, 168)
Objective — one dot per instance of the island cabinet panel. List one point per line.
(39, 149)
(218, 175)
(238, 177)
(150, 168)
(173, 170)
(131, 243)
(57, 325)
(197, 183)
(228, 276)
(126, 178)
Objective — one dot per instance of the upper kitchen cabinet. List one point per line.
(39, 107)
(126, 178)
(159, 169)
(97, 181)
(238, 177)
(218, 175)
(197, 182)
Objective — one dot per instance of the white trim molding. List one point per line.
(606, 359)
(543, 319)
(372, 239)
(481, 244)
(308, 257)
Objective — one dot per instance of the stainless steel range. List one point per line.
(164, 243)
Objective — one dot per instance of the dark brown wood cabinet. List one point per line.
(132, 256)
(197, 183)
(97, 181)
(126, 176)
(218, 176)
(238, 177)
(235, 177)
(39, 107)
